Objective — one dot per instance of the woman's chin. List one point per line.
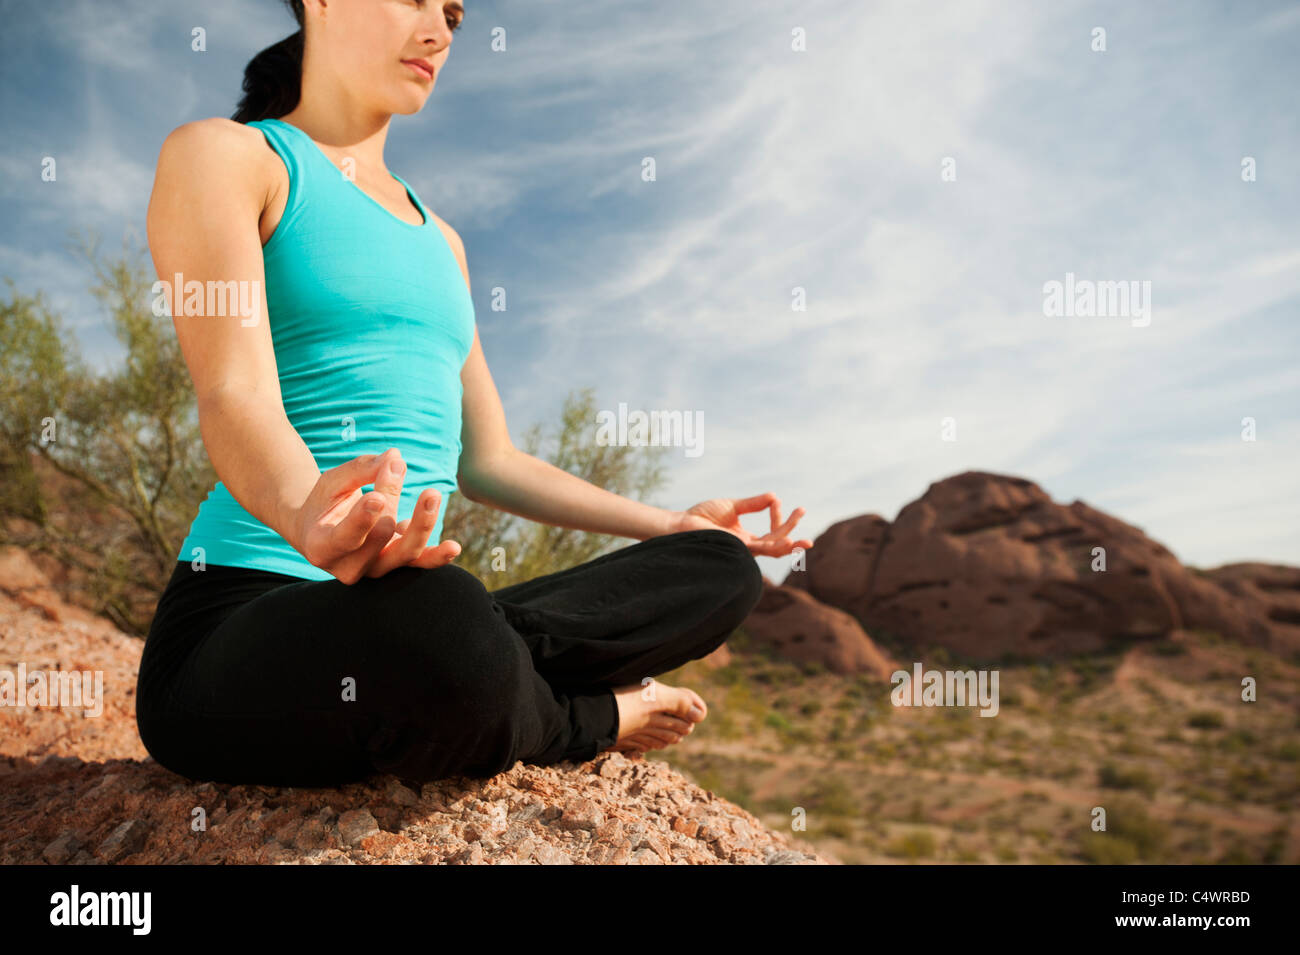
(410, 102)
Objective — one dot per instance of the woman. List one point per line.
(313, 633)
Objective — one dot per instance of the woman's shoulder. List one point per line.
(216, 135)
(219, 153)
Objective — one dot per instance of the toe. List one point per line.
(673, 723)
(693, 699)
(659, 733)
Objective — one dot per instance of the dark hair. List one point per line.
(273, 78)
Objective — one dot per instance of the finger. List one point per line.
(364, 553)
(776, 512)
(389, 481)
(432, 557)
(763, 547)
(788, 546)
(414, 535)
(748, 505)
(785, 529)
(358, 525)
(444, 553)
(358, 472)
(788, 526)
(351, 558)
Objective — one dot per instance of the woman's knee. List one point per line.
(410, 603)
(437, 634)
(405, 585)
(737, 568)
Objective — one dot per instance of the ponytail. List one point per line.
(273, 78)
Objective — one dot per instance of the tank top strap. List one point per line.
(419, 203)
(283, 141)
(302, 162)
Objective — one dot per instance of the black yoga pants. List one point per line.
(249, 676)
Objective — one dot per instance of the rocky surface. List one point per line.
(1270, 591)
(988, 565)
(81, 789)
(610, 810)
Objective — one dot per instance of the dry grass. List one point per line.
(1157, 737)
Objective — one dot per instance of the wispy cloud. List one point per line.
(820, 170)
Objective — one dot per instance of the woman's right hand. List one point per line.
(354, 535)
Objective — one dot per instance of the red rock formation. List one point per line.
(795, 625)
(28, 583)
(988, 565)
(1271, 591)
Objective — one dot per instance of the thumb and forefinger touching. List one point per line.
(774, 543)
(372, 520)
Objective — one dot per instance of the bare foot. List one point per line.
(656, 723)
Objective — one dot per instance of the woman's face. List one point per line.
(364, 43)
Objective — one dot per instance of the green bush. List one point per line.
(836, 828)
(777, 722)
(1236, 855)
(1115, 777)
(1238, 740)
(1132, 836)
(1105, 848)
(914, 845)
(831, 795)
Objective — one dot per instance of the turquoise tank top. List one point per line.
(371, 321)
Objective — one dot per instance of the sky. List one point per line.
(841, 261)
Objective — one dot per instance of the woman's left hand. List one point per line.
(724, 513)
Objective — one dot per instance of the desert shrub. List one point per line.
(919, 844)
(1112, 776)
(1205, 720)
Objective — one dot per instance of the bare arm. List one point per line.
(209, 192)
